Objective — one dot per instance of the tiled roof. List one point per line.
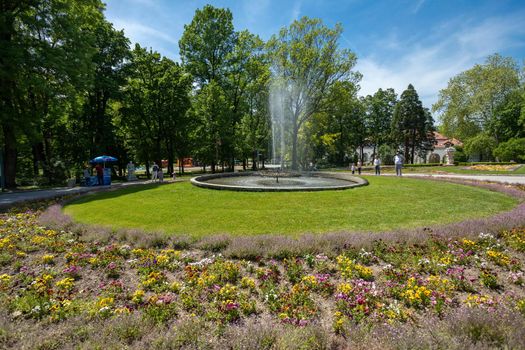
(442, 140)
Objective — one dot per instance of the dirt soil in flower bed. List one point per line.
(74, 288)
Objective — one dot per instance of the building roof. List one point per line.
(442, 140)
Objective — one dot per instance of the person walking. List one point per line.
(100, 174)
(398, 161)
(154, 172)
(359, 166)
(352, 167)
(377, 165)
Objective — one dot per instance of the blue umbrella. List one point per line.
(103, 159)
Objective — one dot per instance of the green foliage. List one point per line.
(481, 145)
(460, 155)
(511, 150)
(412, 125)
(206, 43)
(152, 117)
(379, 113)
(476, 100)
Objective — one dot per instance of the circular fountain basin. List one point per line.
(257, 182)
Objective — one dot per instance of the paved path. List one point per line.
(9, 199)
(515, 179)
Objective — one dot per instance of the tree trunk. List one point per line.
(295, 165)
(11, 154)
(407, 150)
(254, 161)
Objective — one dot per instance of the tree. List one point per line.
(480, 145)
(469, 104)
(154, 107)
(344, 122)
(379, 113)
(511, 150)
(212, 112)
(47, 48)
(307, 63)
(249, 85)
(206, 43)
(412, 125)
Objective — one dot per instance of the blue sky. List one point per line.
(423, 42)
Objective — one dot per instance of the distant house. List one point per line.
(442, 143)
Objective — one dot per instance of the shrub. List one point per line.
(481, 145)
(513, 149)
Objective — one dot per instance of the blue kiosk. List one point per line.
(107, 171)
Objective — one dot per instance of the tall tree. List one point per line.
(155, 104)
(307, 62)
(206, 43)
(344, 122)
(469, 104)
(412, 125)
(48, 47)
(379, 114)
(213, 112)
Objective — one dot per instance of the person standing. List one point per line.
(352, 167)
(131, 171)
(160, 174)
(100, 174)
(359, 166)
(398, 161)
(377, 165)
(87, 176)
(154, 172)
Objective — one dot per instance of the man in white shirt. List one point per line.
(377, 165)
(398, 160)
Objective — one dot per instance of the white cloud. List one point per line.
(429, 64)
(296, 11)
(138, 32)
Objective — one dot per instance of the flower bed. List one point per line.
(56, 283)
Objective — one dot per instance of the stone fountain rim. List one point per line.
(353, 181)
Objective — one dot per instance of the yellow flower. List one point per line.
(468, 243)
(5, 278)
(247, 282)
(105, 302)
(121, 310)
(344, 288)
(66, 284)
(48, 258)
(138, 296)
(162, 259)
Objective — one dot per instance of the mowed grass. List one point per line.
(387, 203)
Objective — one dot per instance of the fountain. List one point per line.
(276, 178)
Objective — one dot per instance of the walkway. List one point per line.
(7, 200)
(515, 179)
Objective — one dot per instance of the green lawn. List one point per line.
(387, 203)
